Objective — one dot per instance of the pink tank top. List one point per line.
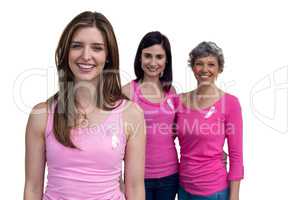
(161, 155)
(92, 171)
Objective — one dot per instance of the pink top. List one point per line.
(161, 156)
(202, 133)
(92, 171)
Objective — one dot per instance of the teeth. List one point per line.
(85, 66)
(204, 76)
(152, 70)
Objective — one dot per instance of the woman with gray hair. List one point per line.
(206, 116)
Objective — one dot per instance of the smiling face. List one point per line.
(87, 54)
(153, 60)
(206, 69)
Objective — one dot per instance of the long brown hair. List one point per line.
(109, 80)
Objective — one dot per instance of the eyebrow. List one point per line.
(159, 54)
(197, 61)
(94, 44)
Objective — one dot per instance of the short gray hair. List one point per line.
(205, 49)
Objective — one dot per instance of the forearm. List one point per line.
(234, 190)
(31, 193)
(135, 193)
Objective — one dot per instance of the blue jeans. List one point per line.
(164, 188)
(183, 195)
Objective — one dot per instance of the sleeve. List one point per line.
(234, 135)
(175, 102)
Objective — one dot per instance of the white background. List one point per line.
(260, 40)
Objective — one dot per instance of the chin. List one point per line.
(153, 74)
(206, 82)
(86, 78)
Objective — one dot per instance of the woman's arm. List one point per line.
(127, 90)
(234, 190)
(135, 152)
(35, 153)
(234, 134)
(174, 96)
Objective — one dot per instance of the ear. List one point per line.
(219, 69)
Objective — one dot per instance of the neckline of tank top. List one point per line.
(98, 124)
(140, 96)
(204, 108)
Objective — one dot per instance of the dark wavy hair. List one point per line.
(150, 39)
(205, 49)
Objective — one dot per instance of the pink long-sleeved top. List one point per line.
(202, 133)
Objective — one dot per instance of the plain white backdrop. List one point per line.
(260, 40)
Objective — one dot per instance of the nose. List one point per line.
(153, 62)
(86, 55)
(205, 68)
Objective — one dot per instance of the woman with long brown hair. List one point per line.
(88, 127)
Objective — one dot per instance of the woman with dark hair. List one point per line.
(206, 117)
(80, 133)
(152, 90)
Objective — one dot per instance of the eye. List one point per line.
(75, 45)
(160, 57)
(212, 64)
(147, 55)
(198, 64)
(98, 48)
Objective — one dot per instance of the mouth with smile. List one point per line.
(204, 76)
(85, 68)
(152, 69)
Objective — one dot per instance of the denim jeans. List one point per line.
(183, 195)
(164, 188)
